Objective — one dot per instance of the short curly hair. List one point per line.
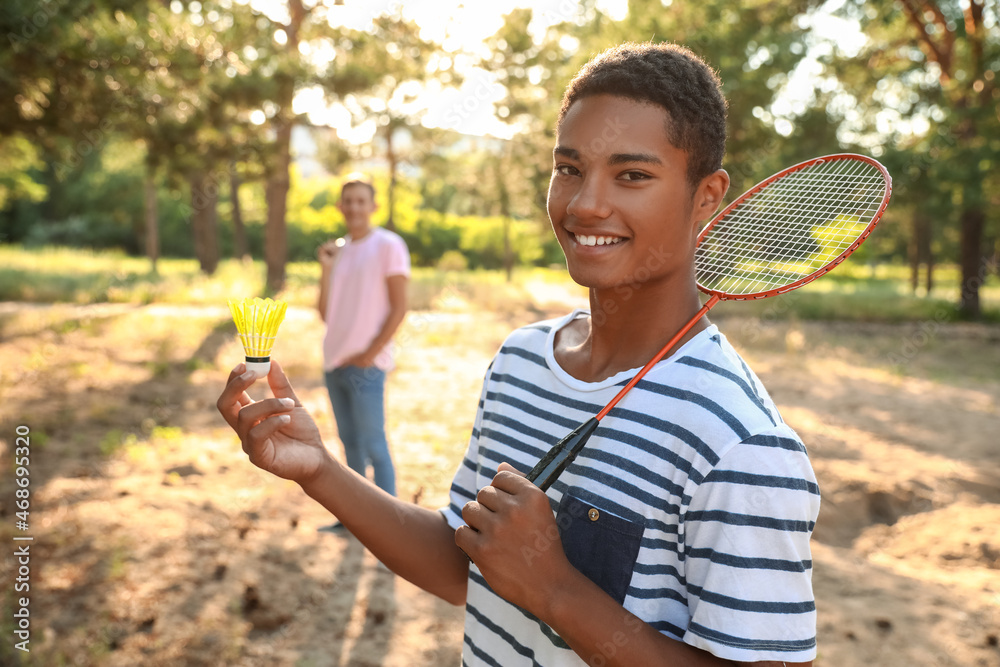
(672, 77)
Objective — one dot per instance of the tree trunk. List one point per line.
(920, 249)
(508, 254)
(55, 181)
(390, 223)
(970, 256)
(278, 180)
(924, 251)
(204, 201)
(241, 247)
(930, 272)
(276, 233)
(152, 218)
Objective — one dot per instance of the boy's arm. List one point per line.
(513, 538)
(279, 436)
(601, 631)
(326, 254)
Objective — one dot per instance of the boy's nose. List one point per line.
(590, 200)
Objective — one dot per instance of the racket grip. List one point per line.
(550, 466)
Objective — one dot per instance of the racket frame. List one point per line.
(725, 296)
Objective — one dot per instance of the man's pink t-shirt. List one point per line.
(359, 298)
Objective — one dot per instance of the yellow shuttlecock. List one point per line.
(257, 322)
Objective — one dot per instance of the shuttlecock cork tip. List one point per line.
(257, 321)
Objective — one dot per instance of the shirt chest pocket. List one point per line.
(604, 547)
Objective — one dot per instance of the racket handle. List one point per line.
(550, 466)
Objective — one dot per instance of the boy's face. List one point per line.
(357, 205)
(619, 199)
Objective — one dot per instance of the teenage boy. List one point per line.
(680, 536)
(362, 299)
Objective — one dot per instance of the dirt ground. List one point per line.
(156, 543)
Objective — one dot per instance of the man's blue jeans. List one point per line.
(357, 395)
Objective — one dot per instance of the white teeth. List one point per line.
(597, 240)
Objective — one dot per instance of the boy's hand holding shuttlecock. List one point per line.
(277, 433)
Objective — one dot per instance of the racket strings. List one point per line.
(790, 228)
(775, 207)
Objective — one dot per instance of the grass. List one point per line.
(66, 275)
(853, 292)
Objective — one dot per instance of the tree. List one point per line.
(62, 104)
(396, 64)
(91, 74)
(195, 90)
(528, 70)
(282, 72)
(952, 74)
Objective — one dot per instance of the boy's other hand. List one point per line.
(327, 253)
(511, 535)
(361, 360)
(277, 433)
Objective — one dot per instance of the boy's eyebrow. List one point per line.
(615, 158)
(621, 158)
(570, 153)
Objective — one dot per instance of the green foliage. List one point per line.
(452, 260)
(482, 241)
(313, 217)
(99, 205)
(19, 167)
(432, 235)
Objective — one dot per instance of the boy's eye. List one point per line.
(634, 176)
(566, 170)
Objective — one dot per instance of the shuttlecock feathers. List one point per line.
(257, 321)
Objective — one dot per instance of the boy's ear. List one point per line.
(711, 191)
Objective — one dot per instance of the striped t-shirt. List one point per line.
(692, 504)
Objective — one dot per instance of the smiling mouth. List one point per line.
(597, 240)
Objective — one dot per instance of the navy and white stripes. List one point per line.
(697, 458)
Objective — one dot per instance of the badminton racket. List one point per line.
(781, 234)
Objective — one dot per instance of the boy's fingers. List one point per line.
(473, 513)
(240, 370)
(250, 415)
(234, 396)
(264, 430)
(466, 540)
(506, 467)
(508, 478)
(280, 386)
(488, 498)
